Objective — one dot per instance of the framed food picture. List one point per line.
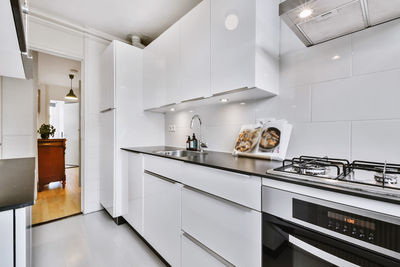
(272, 140)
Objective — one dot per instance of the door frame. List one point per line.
(81, 117)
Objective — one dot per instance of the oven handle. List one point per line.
(320, 253)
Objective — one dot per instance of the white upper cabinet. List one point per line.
(161, 68)
(195, 52)
(244, 45)
(218, 47)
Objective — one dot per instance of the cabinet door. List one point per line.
(7, 239)
(169, 45)
(107, 86)
(232, 44)
(135, 191)
(161, 69)
(195, 254)
(154, 93)
(162, 216)
(230, 230)
(195, 52)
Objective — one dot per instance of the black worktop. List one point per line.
(218, 160)
(17, 183)
(259, 167)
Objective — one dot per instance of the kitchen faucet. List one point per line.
(202, 144)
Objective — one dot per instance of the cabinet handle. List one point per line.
(209, 251)
(160, 177)
(218, 198)
(106, 110)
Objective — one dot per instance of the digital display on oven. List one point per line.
(351, 220)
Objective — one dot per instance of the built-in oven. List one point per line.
(305, 231)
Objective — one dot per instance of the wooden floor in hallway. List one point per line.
(55, 202)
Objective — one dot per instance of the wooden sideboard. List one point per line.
(51, 157)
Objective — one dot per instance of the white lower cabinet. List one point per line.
(194, 254)
(7, 238)
(230, 230)
(135, 191)
(162, 216)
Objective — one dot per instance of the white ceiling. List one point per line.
(149, 18)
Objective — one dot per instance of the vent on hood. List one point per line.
(317, 21)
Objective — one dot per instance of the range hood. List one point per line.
(318, 21)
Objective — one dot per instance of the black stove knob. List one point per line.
(354, 231)
(345, 230)
(337, 227)
(371, 237)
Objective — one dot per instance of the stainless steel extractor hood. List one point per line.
(317, 21)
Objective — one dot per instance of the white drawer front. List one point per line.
(194, 255)
(230, 230)
(239, 188)
(165, 167)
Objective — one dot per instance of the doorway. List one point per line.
(59, 181)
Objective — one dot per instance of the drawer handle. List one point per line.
(218, 198)
(160, 177)
(209, 251)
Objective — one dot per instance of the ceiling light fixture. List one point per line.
(243, 103)
(305, 13)
(172, 109)
(224, 100)
(71, 95)
(335, 57)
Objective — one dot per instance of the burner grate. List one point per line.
(385, 173)
(318, 166)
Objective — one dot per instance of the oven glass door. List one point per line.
(286, 245)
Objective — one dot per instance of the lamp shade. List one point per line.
(71, 95)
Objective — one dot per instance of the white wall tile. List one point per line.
(376, 140)
(221, 138)
(315, 64)
(289, 41)
(292, 104)
(366, 97)
(320, 139)
(377, 48)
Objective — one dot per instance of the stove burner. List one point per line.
(310, 169)
(389, 177)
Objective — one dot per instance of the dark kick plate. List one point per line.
(380, 233)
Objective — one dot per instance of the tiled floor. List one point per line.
(89, 240)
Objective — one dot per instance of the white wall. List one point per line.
(346, 107)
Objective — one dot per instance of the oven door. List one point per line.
(287, 244)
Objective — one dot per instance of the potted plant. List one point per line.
(46, 130)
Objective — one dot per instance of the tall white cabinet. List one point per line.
(122, 121)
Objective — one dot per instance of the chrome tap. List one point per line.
(202, 144)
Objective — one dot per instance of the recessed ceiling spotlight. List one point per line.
(335, 57)
(231, 22)
(305, 13)
(242, 103)
(224, 100)
(191, 111)
(172, 109)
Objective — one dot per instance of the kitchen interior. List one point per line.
(211, 133)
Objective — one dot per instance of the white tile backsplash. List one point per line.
(377, 48)
(320, 139)
(365, 97)
(376, 140)
(315, 64)
(346, 107)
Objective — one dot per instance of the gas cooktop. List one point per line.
(358, 174)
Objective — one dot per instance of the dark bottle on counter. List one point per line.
(195, 143)
(188, 143)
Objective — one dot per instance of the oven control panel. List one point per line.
(380, 233)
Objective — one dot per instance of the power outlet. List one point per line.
(171, 128)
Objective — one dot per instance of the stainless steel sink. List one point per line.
(180, 153)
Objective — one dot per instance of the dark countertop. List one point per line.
(218, 160)
(17, 183)
(259, 167)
